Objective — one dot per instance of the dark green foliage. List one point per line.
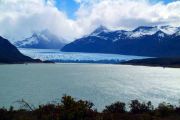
(67, 109)
(118, 107)
(71, 109)
(75, 110)
(137, 107)
(164, 109)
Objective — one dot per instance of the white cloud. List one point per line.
(128, 13)
(19, 18)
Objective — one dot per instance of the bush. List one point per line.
(118, 107)
(137, 107)
(75, 110)
(165, 109)
(71, 109)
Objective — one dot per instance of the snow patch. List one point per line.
(142, 32)
(168, 29)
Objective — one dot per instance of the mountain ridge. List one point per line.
(142, 41)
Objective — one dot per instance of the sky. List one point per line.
(71, 6)
(71, 19)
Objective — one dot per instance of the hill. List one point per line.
(10, 54)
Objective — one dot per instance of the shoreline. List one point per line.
(155, 62)
(148, 62)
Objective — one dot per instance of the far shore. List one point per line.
(149, 62)
(155, 62)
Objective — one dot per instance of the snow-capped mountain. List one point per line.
(99, 30)
(169, 29)
(42, 40)
(154, 41)
(143, 30)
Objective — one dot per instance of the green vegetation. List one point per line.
(71, 109)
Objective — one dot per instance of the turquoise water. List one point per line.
(100, 83)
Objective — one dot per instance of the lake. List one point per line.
(100, 83)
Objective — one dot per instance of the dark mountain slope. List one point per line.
(10, 54)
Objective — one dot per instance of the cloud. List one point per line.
(20, 18)
(128, 13)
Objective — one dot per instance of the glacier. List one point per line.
(56, 55)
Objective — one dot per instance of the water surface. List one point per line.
(100, 83)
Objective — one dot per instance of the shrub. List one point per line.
(137, 107)
(75, 110)
(165, 109)
(118, 107)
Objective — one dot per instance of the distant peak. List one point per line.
(35, 34)
(143, 28)
(100, 29)
(41, 33)
(160, 33)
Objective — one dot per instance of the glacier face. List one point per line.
(57, 56)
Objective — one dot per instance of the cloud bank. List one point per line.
(20, 18)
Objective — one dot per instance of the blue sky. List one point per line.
(70, 6)
(165, 1)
